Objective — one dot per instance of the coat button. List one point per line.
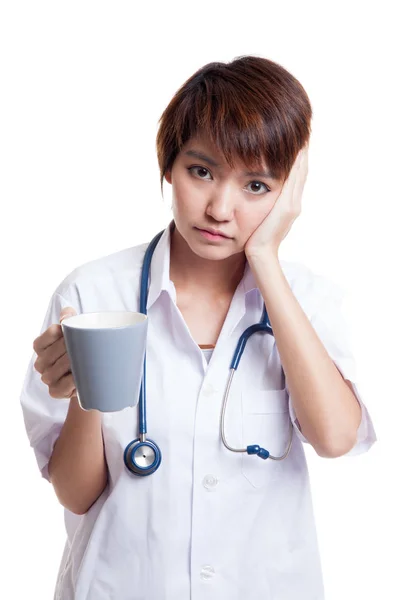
(207, 572)
(209, 389)
(210, 482)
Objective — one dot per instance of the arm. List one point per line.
(77, 466)
(327, 410)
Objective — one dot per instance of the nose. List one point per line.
(222, 202)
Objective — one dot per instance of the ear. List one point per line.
(168, 176)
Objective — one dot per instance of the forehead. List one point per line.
(203, 147)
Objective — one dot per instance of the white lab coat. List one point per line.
(209, 523)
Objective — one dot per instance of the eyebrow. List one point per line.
(212, 163)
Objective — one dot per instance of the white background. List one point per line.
(83, 85)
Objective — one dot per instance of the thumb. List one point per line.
(68, 311)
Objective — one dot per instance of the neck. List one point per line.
(188, 270)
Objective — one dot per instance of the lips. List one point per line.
(214, 232)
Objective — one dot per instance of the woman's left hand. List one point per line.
(276, 225)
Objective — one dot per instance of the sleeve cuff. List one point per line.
(366, 435)
(44, 449)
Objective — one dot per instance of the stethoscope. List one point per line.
(142, 456)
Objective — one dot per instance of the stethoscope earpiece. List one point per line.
(142, 458)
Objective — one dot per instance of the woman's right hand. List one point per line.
(53, 361)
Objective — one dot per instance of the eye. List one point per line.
(200, 170)
(261, 191)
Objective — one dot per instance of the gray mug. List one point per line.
(106, 351)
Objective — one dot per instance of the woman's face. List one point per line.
(207, 194)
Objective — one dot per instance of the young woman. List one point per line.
(211, 522)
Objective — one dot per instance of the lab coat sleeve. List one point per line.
(328, 319)
(43, 415)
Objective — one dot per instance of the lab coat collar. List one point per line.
(160, 271)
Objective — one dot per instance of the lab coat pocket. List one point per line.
(266, 422)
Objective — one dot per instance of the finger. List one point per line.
(64, 388)
(50, 355)
(51, 335)
(53, 373)
(300, 182)
(54, 332)
(291, 180)
(288, 189)
(304, 163)
(67, 311)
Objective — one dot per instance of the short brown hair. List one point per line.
(251, 108)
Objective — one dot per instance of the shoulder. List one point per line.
(311, 287)
(111, 268)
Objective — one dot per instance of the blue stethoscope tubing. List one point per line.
(142, 455)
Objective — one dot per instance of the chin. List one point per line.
(211, 252)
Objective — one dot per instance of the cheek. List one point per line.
(185, 197)
(253, 216)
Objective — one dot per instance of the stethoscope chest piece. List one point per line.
(142, 458)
